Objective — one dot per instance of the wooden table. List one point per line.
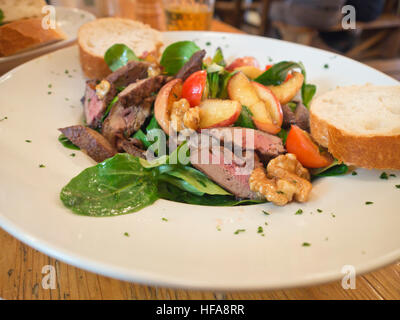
(21, 276)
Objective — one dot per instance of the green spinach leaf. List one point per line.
(219, 58)
(277, 74)
(109, 107)
(119, 55)
(176, 55)
(334, 169)
(119, 185)
(67, 143)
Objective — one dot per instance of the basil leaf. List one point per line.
(181, 184)
(219, 58)
(67, 143)
(245, 120)
(170, 192)
(277, 74)
(119, 185)
(176, 55)
(119, 55)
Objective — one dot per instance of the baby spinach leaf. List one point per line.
(67, 143)
(109, 107)
(244, 120)
(176, 55)
(119, 55)
(119, 185)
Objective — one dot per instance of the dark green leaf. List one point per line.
(244, 120)
(335, 169)
(283, 135)
(67, 143)
(224, 79)
(109, 107)
(170, 192)
(119, 55)
(176, 55)
(119, 185)
(213, 84)
(307, 93)
(153, 124)
(277, 74)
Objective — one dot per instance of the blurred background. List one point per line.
(375, 40)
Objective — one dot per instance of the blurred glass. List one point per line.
(188, 14)
(100, 8)
(149, 12)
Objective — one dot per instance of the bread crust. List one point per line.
(26, 34)
(93, 67)
(371, 152)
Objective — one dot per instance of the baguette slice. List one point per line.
(26, 34)
(95, 37)
(20, 9)
(360, 125)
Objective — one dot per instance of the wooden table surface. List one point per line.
(21, 277)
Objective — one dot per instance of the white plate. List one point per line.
(68, 20)
(188, 250)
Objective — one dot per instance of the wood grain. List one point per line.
(21, 277)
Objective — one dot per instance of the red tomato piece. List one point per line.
(193, 87)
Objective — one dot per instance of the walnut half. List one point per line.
(284, 180)
(183, 116)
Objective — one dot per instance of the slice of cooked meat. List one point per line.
(131, 72)
(230, 176)
(94, 103)
(132, 109)
(130, 146)
(302, 117)
(139, 90)
(93, 107)
(194, 64)
(90, 141)
(267, 145)
(288, 116)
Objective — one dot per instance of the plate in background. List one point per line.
(188, 250)
(69, 20)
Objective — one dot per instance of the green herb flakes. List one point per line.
(300, 211)
(369, 202)
(306, 244)
(397, 186)
(319, 210)
(260, 229)
(42, 166)
(266, 213)
(384, 176)
(239, 230)
(126, 234)
(28, 141)
(164, 219)
(354, 173)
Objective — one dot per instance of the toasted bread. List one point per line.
(95, 37)
(360, 125)
(14, 10)
(26, 34)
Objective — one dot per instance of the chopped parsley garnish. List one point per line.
(300, 211)
(218, 228)
(306, 244)
(66, 71)
(397, 186)
(260, 229)
(49, 92)
(72, 154)
(326, 66)
(354, 173)
(126, 234)
(5, 118)
(392, 175)
(384, 176)
(50, 85)
(208, 43)
(66, 99)
(368, 202)
(266, 213)
(28, 141)
(42, 166)
(266, 223)
(333, 215)
(319, 210)
(164, 219)
(239, 230)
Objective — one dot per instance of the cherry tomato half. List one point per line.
(193, 87)
(307, 152)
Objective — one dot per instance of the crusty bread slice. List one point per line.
(26, 34)
(95, 37)
(360, 125)
(19, 9)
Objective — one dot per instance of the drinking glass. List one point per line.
(188, 14)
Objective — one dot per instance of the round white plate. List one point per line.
(188, 250)
(69, 20)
